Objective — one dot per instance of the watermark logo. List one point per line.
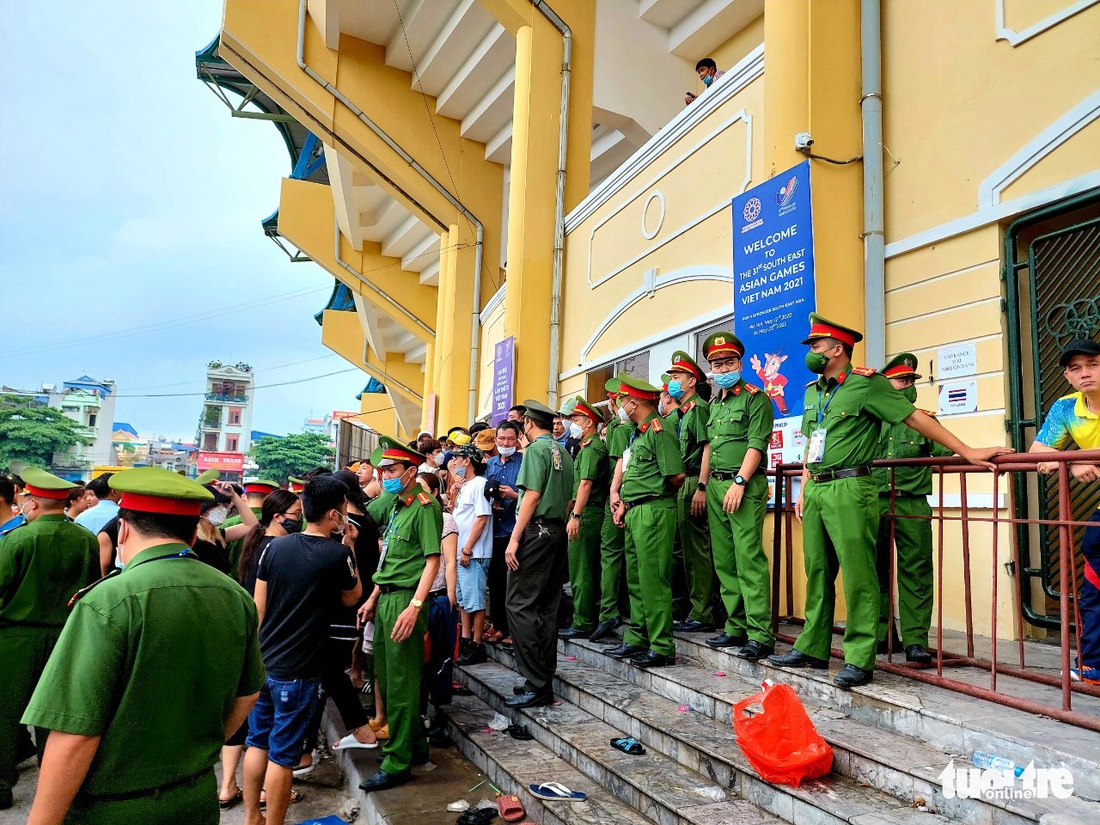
(990, 783)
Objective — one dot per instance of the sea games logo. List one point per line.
(784, 198)
(751, 213)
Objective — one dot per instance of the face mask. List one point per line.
(506, 451)
(817, 362)
(392, 485)
(623, 416)
(708, 79)
(575, 430)
(460, 472)
(217, 515)
(725, 380)
(676, 389)
(909, 394)
(437, 459)
(291, 525)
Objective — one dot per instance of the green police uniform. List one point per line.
(651, 460)
(693, 548)
(42, 564)
(414, 532)
(139, 647)
(841, 420)
(234, 548)
(741, 419)
(591, 464)
(912, 536)
(613, 599)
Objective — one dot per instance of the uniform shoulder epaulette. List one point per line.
(929, 413)
(587, 441)
(79, 594)
(752, 390)
(690, 405)
(865, 371)
(657, 425)
(424, 499)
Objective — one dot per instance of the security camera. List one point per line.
(803, 141)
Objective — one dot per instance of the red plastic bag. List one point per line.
(781, 743)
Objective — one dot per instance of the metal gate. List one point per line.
(1052, 275)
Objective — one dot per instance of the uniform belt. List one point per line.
(629, 504)
(723, 475)
(834, 475)
(85, 798)
(386, 589)
(549, 522)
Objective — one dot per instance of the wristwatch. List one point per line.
(415, 602)
(701, 487)
(574, 515)
(739, 481)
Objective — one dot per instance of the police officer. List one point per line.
(734, 490)
(613, 602)
(143, 687)
(410, 560)
(591, 483)
(255, 492)
(838, 502)
(643, 497)
(911, 536)
(42, 564)
(536, 556)
(693, 552)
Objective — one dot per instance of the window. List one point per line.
(231, 443)
(234, 416)
(91, 419)
(210, 442)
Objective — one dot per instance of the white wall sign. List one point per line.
(959, 397)
(956, 361)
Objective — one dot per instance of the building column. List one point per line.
(450, 370)
(812, 84)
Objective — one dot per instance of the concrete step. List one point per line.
(697, 746)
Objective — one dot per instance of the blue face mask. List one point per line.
(676, 389)
(708, 79)
(725, 380)
(392, 485)
(460, 472)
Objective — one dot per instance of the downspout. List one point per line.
(435, 184)
(559, 201)
(874, 242)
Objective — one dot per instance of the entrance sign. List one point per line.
(956, 361)
(504, 359)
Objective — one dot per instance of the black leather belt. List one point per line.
(719, 475)
(437, 593)
(394, 588)
(628, 504)
(549, 522)
(834, 475)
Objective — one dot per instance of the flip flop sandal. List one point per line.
(295, 797)
(520, 732)
(226, 804)
(557, 791)
(349, 743)
(510, 808)
(628, 744)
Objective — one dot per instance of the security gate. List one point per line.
(1052, 275)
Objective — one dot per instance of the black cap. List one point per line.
(1079, 346)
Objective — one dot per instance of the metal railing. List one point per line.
(1002, 522)
(221, 396)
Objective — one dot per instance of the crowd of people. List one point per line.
(150, 633)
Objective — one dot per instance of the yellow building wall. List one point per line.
(492, 332)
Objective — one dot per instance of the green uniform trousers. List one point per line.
(24, 650)
(839, 526)
(693, 553)
(913, 540)
(584, 569)
(737, 540)
(194, 802)
(650, 533)
(612, 568)
(400, 666)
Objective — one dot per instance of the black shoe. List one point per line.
(381, 780)
(692, 626)
(726, 640)
(530, 700)
(918, 654)
(796, 658)
(464, 645)
(604, 628)
(475, 655)
(624, 650)
(571, 633)
(754, 651)
(851, 676)
(652, 658)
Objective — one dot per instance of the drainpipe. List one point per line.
(435, 184)
(874, 251)
(559, 202)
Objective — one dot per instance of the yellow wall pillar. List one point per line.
(534, 169)
(451, 356)
(812, 84)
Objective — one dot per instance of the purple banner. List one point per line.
(504, 360)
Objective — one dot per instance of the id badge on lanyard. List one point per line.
(815, 450)
(626, 458)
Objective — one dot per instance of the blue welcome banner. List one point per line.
(774, 293)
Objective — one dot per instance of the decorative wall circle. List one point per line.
(654, 196)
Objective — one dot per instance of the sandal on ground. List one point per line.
(295, 797)
(476, 816)
(557, 791)
(510, 808)
(226, 804)
(305, 770)
(628, 744)
(349, 743)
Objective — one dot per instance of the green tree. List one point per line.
(32, 432)
(293, 455)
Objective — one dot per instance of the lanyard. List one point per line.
(828, 400)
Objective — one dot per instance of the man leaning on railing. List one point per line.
(1076, 418)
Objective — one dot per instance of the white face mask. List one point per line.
(216, 515)
(436, 459)
(575, 430)
(623, 416)
(506, 451)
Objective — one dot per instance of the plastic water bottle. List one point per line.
(988, 761)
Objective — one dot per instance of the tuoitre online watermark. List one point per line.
(965, 782)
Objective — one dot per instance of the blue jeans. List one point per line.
(1088, 601)
(280, 720)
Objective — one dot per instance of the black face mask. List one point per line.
(291, 525)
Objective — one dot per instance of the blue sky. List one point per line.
(130, 206)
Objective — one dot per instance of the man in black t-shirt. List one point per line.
(301, 577)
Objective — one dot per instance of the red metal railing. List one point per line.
(1007, 465)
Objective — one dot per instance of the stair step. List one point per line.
(699, 743)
